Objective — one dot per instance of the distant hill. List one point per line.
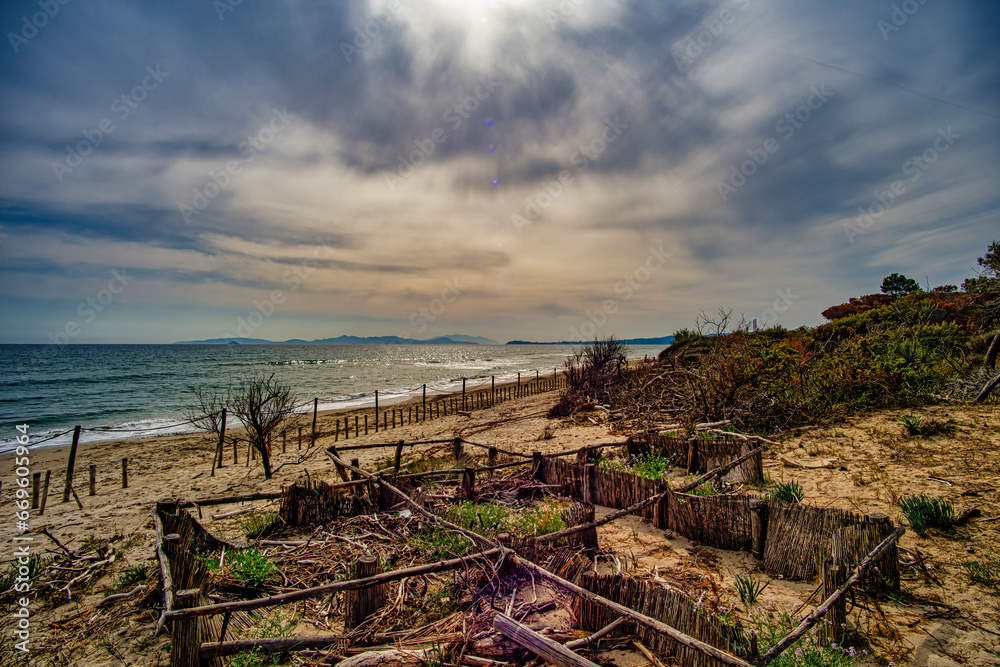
(452, 339)
(662, 340)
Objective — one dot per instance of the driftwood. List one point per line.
(542, 646)
(821, 610)
(987, 390)
(603, 632)
(391, 658)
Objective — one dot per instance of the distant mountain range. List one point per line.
(450, 339)
(662, 340)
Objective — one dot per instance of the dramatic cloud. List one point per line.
(551, 163)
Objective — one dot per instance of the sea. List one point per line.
(117, 392)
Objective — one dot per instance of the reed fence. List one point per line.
(669, 606)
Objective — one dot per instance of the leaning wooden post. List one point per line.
(185, 634)
(692, 454)
(456, 448)
(45, 492)
(537, 467)
(362, 603)
(312, 441)
(71, 464)
(399, 456)
(341, 470)
(469, 484)
(758, 528)
(36, 482)
(93, 479)
(125, 472)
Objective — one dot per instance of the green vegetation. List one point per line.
(985, 570)
(488, 519)
(915, 425)
(653, 466)
(810, 651)
(749, 589)
(924, 512)
(248, 565)
(790, 492)
(261, 625)
(902, 349)
(256, 525)
(132, 577)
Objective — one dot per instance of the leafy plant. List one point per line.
(483, 518)
(790, 492)
(132, 577)
(749, 589)
(809, 651)
(540, 520)
(244, 565)
(653, 466)
(924, 512)
(915, 425)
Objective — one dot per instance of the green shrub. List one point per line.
(653, 466)
(808, 651)
(790, 492)
(984, 571)
(248, 565)
(132, 577)
(924, 512)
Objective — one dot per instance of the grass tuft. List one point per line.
(790, 492)
(924, 512)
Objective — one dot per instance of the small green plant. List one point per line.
(442, 544)
(790, 492)
(705, 489)
(244, 565)
(540, 520)
(924, 512)
(915, 425)
(483, 518)
(255, 658)
(256, 525)
(749, 589)
(984, 571)
(132, 577)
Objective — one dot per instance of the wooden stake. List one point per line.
(71, 463)
(45, 492)
(361, 603)
(222, 442)
(312, 440)
(424, 402)
(376, 412)
(456, 448)
(185, 635)
(469, 484)
(399, 456)
(36, 482)
(93, 479)
(284, 441)
(464, 407)
(76, 497)
(125, 472)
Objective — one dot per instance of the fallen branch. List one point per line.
(542, 646)
(119, 596)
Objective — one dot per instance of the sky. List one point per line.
(529, 169)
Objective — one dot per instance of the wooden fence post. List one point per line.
(469, 484)
(376, 410)
(758, 528)
(589, 482)
(424, 411)
(217, 462)
(692, 454)
(93, 479)
(537, 467)
(356, 424)
(399, 456)
(284, 441)
(312, 440)
(834, 575)
(366, 424)
(36, 482)
(185, 634)
(456, 448)
(491, 457)
(45, 492)
(71, 464)
(463, 395)
(125, 472)
(362, 603)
